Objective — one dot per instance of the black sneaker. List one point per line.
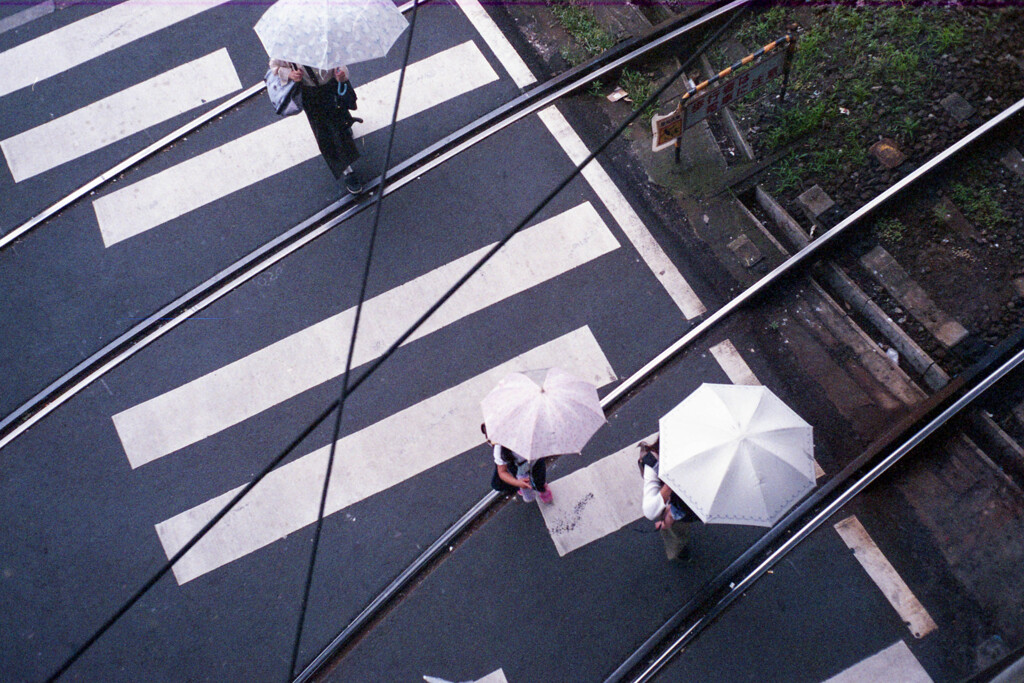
(352, 184)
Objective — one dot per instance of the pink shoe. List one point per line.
(546, 496)
(528, 495)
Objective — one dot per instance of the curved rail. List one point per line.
(821, 506)
(199, 297)
(613, 399)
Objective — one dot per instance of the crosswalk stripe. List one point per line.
(91, 37)
(637, 233)
(125, 113)
(496, 40)
(594, 501)
(650, 251)
(257, 156)
(894, 663)
(316, 354)
(732, 363)
(23, 17)
(368, 462)
(885, 576)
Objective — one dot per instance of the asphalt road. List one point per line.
(96, 496)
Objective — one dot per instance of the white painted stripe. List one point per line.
(496, 40)
(650, 251)
(732, 363)
(120, 115)
(86, 39)
(493, 677)
(282, 145)
(26, 15)
(368, 462)
(894, 663)
(885, 577)
(316, 354)
(595, 501)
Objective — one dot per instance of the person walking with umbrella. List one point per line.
(671, 516)
(328, 98)
(532, 415)
(309, 41)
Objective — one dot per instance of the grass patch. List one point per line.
(580, 23)
(890, 230)
(639, 87)
(978, 204)
(796, 123)
(788, 173)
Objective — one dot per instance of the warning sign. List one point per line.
(694, 109)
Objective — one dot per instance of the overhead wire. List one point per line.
(352, 345)
(273, 463)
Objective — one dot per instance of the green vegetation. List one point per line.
(787, 172)
(798, 122)
(639, 87)
(579, 22)
(978, 204)
(880, 50)
(890, 229)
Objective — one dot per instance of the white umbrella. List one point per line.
(542, 412)
(736, 454)
(330, 33)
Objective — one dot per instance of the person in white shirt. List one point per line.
(662, 506)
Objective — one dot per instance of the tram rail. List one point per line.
(707, 599)
(181, 309)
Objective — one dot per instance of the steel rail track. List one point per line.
(816, 510)
(117, 169)
(621, 393)
(214, 288)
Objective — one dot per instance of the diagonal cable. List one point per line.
(162, 571)
(351, 348)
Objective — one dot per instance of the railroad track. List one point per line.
(187, 305)
(214, 288)
(952, 395)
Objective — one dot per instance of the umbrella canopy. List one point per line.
(542, 412)
(736, 454)
(330, 33)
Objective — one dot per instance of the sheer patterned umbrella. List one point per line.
(542, 412)
(736, 454)
(330, 33)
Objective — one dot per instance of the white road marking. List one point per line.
(496, 40)
(730, 360)
(493, 677)
(257, 156)
(649, 249)
(88, 38)
(885, 577)
(120, 115)
(894, 663)
(595, 501)
(368, 462)
(26, 15)
(316, 354)
(651, 252)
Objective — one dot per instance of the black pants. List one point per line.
(332, 127)
(538, 475)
